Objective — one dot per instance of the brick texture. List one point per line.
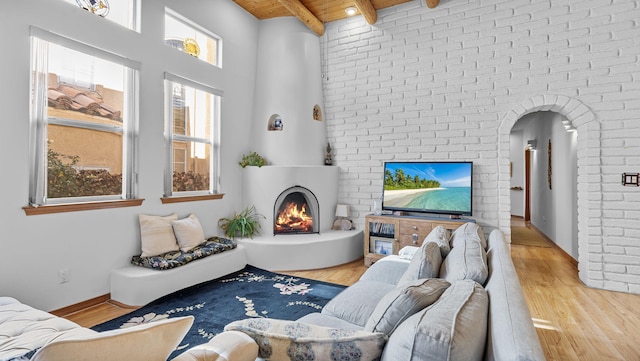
(437, 84)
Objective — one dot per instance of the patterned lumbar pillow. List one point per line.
(402, 302)
(290, 340)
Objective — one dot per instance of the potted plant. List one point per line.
(253, 159)
(243, 224)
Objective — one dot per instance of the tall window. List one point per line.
(192, 134)
(82, 116)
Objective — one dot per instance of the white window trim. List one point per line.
(39, 119)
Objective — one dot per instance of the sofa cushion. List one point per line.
(402, 302)
(225, 346)
(453, 328)
(466, 231)
(151, 341)
(24, 328)
(156, 234)
(388, 270)
(188, 232)
(442, 237)
(291, 340)
(319, 319)
(467, 260)
(355, 303)
(424, 264)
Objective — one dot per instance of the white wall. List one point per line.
(289, 83)
(517, 144)
(91, 243)
(438, 84)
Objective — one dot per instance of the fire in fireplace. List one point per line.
(296, 211)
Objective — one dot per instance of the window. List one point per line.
(192, 137)
(186, 36)
(123, 12)
(82, 116)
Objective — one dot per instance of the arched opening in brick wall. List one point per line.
(589, 177)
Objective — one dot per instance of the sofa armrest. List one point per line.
(226, 346)
(511, 335)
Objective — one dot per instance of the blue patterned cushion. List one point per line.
(290, 340)
(175, 259)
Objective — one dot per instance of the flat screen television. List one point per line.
(428, 187)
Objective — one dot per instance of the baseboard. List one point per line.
(61, 312)
(554, 245)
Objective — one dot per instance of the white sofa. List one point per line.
(24, 329)
(475, 310)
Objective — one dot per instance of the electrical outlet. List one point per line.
(63, 275)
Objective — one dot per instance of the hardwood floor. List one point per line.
(573, 322)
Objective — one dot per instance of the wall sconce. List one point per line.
(531, 144)
(351, 11)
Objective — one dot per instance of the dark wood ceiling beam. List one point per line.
(432, 3)
(367, 10)
(301, 12)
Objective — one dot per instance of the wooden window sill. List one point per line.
(84, 206)
(167, 200)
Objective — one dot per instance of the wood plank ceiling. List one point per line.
(314, 13)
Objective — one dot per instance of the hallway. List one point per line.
(574, 322)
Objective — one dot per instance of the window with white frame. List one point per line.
(191, 38)
(192, 137)
(122, 12)
(83, 112)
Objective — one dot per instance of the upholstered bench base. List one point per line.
(137, 286)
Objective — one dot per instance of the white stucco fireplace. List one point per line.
(322, 248)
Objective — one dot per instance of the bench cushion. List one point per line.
(179, 258)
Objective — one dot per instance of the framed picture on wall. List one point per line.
(382, 246)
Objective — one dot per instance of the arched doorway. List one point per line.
(589, 164)
(544, 177)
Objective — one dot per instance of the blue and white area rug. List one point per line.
(248, 293)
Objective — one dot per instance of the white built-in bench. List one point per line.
(137, 286)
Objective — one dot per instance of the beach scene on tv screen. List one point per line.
(437, 187)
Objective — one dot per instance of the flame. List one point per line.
(292, 219)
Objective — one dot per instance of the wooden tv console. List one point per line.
(387, 234)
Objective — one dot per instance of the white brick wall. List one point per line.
(440, 84)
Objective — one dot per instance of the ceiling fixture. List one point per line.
(351, 11)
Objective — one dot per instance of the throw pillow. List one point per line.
(188, 232)
(401, 303)
(424, 264)
(156, 234)
(149, 341)
(468, 230)
(356, 303)
(290, 340)
(442, 237)
(453, 328)
(467, 260)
